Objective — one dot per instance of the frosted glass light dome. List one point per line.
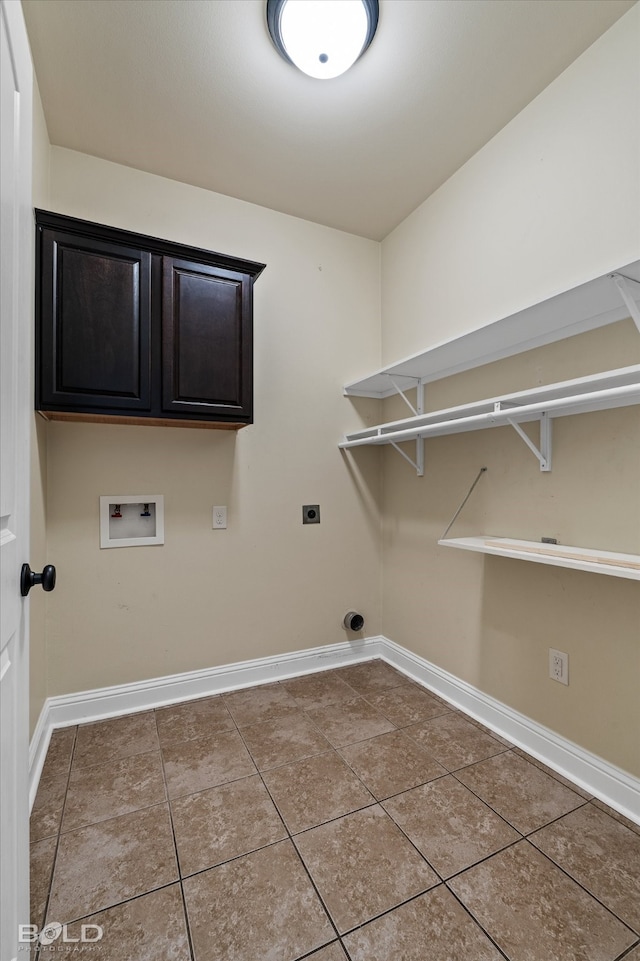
(323, 38)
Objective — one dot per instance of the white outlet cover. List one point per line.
(219, 519)
(558, 666)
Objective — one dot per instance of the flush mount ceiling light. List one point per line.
(323, 38)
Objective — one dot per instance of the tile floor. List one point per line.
(343, 816)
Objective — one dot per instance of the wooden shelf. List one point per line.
(558, 555)
(594, 304)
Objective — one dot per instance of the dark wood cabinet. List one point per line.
(204, 366)
(136, 329)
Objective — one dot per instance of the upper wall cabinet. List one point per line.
(132, 329)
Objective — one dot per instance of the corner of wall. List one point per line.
(41, 179)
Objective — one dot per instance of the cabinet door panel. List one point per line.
(95, 324)
(206, 318)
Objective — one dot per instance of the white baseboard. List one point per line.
(100, 703)
(612, 785)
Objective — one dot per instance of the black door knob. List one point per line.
(29, 579)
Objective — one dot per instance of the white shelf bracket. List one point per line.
(623, 284)
(419, 385)
(418, 463)
(544, 453)
(420, 456)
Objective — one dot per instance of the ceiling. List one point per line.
(194, 90)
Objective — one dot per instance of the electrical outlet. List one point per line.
(219, 519)
(558, 666)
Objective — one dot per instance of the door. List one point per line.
(207, 329)
(94, 324)
(16, 284)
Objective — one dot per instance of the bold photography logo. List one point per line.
(54, 931)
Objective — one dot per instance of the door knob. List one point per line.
(29, 579)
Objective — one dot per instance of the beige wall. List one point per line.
(550, 202)
(38, 546)
(267, 585)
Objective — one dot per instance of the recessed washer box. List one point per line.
(131, 520)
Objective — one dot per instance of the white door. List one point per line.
(16, 285)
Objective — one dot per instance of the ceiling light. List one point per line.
(323, 38)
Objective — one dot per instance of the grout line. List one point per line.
(236, 857)
(293, 845)
(593, 896)
(482, 860)
(416, 848)
(388, 797)
(81, 768)
(545, 769)
(112, 817)
(118, 904)
(344, 948)
(477, 922)
(338, 817)
(315, 888)
(394, 907)
(211, 787)
(328, 821)
(627, 951)
(310, 955)
(187, 921)
(43, 920)
(175, 852)
(528, 834)
(523, 834)
(620, 819)
(475, 794)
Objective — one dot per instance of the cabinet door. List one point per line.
(95, 324)
(206, 341)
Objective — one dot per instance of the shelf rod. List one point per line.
(576, 402)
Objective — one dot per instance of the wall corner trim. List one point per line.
(617, 788)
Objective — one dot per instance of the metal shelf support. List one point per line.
(544, 453)
(418, 463)
(417, 383)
